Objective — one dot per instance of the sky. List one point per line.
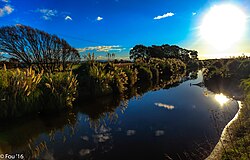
(116, 26)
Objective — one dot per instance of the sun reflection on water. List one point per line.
(221, 99)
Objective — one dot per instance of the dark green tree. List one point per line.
(194, 55)
(139, 51)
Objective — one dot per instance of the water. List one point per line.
(184, 121)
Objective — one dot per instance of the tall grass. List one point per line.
(98, 79)
(19, 91)
(60, 91)
(25, 91)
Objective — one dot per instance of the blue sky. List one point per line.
(116, 25)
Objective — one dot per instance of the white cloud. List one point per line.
(6, 10)
(68, 18)
(99, 18)
(47, 14)
(170, 14)
(194, 13)
(102, 48)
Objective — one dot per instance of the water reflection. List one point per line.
(21, 136)
(129, 125)
(169, 107)
(221, 99)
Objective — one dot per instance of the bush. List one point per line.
(144, 73)
(233, 66)
(119, 81)
(244, 68)
(155, 73)
(132, 75)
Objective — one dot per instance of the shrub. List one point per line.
(132, 75)
(233, 66)
(119, 80)
(155, 73)
(244, 68)
(144, 73)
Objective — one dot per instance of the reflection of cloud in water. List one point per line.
(159, 133)
(102, 134)
(85, 138)
(101, 138)
(194, 106)
(131, 132)
(170, 107)
(84, 152)
(102, 129)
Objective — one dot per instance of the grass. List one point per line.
(25, 91)
(241, 132)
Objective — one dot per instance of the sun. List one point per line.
(223, 26)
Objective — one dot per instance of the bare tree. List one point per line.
(1, 56)
(32, 46)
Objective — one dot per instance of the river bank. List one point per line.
(232, 79)
(226, 137)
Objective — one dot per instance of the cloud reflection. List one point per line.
(84, 152)
(169, 107)
(102, 134)
(131, 132)
(159, 133)
(85, 138)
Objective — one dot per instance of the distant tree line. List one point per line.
(163, 51)
(34, 47)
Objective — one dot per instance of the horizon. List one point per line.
(116, 26)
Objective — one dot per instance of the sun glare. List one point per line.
(223, 26)
(221, 99)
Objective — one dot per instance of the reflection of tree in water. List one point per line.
(227, 86)
(21, 135)
(100, 108)
(105, 108)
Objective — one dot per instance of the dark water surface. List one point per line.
(184, 122)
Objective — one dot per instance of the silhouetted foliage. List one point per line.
(1, 57)
(32, 46)
(139, 51)
(163, 51)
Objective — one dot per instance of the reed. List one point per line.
(25, 91)
(60, 90)
(19, 91)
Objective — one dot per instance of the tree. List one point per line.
(14, 62)
(113, 55)
(34, 47)
(1, 56)
(194, 55)
(139, 51)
